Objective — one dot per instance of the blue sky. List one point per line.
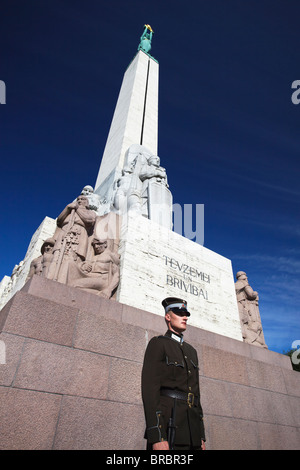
(228, 130)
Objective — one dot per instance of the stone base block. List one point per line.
(71, 377)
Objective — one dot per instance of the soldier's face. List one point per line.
(177, 322)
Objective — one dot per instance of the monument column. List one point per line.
(135, 120)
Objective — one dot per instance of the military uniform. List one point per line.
(170, 377)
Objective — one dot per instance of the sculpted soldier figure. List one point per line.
(170, 386)
(152, 169)
(145, 172)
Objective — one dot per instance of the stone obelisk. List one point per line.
(135, 120)
(130, 176)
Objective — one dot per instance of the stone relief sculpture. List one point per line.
(94, 200)
(136, 198)
(74, 225)
(9, 284)
(40, 266)
(121, 189)
(156, 191)
(99, 274)
(247, 300)
(143, 187)
(83, 251)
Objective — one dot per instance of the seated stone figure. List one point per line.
(100, 274)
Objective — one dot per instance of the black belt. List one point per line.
(189, 398)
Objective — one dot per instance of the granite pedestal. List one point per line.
(72, 377)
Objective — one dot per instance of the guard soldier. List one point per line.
(170, 386)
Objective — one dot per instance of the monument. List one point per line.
(156, 262)
(79, 310)
(132, 198)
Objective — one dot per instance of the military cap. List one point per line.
(176, 305)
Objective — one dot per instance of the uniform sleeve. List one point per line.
(151, 383)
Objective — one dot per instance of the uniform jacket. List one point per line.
(171, 363)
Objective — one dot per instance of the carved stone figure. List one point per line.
(136, 200)
(155, 189)
(94, 201)
(40, 266)
(74, 226)
(15, 273)
(143, 187)
(121, 190)
(152, 170)
(8, 284)
(247, 300)
(100, 274)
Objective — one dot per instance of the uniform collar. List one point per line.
(174, 336)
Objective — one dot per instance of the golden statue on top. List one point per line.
(146, 38)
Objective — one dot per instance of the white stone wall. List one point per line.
(158, 263)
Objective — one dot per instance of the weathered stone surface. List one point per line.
(98, 334)
(232, 434)
(28, 419)
(51, 368)
(13, 346)
(96, 424)
(72, 297)
(41, 319)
